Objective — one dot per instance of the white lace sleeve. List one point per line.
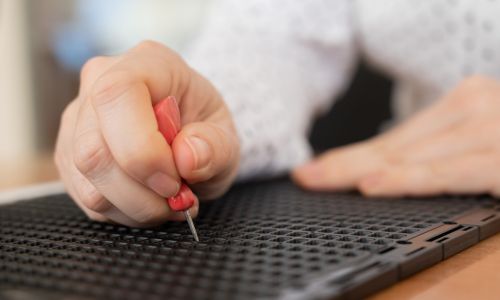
(277, 64)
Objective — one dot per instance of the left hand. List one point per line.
(452, 147)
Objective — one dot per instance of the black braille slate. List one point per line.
(255, 242)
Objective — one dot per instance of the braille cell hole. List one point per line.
(403, 242)
(312, 243)
(281, 232)
(404, 224)
(315, 268)
(331, 252)
(280, 239)
(365, 248)
(395, 236)
(297, 233)
(296, 266)
(345, 239)
(347, 246)
(297, 241)
(328, 237)
(313, 258)
(343, 232)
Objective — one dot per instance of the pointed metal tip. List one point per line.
(191, 225)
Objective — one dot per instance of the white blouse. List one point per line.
(278, 64)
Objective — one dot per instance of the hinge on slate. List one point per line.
(487, 219)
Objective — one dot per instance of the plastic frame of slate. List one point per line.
(261, 240)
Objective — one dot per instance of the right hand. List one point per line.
(114, 162)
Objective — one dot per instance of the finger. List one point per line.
(206, 155)
(96, 206)
(339, 169)
(94, 160)
(85, 195)
(64, 161)
(456, 141)
(123, 101)
(92, 70)
(343, 168)
(458, 175)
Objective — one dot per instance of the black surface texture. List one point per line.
(262, 240)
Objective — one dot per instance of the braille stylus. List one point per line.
(169, 124)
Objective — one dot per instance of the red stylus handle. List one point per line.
(168, 118)
(183, 200)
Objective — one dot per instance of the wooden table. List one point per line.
(471, 274)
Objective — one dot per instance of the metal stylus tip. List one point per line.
(191, 225)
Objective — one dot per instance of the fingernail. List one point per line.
(201, 152)
(163, 184)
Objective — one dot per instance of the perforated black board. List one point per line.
(262, 240)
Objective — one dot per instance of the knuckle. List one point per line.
(159, 50)
(110, 86)
(92, 67)
(91, 156)
(150, 45)
(94, 201)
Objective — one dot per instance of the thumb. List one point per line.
(206, 155)
(339, 169)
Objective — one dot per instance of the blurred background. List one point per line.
(44, 43)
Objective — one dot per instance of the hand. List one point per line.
(452, 147)
(113, 160)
